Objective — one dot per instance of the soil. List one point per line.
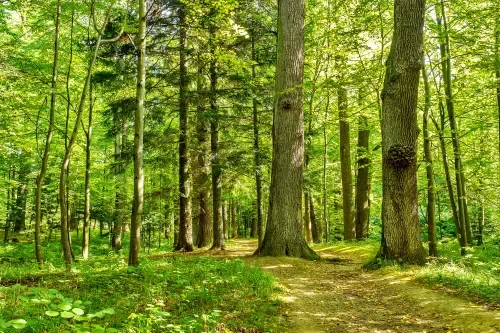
(336, 294)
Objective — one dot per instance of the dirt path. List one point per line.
(336, 295)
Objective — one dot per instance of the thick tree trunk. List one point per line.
(362, 216)
(137, 206)
(283, 236)
(429, 169)
(218, 237)
(43, 169)
(185, 227)
(401, 227)
(345, 166)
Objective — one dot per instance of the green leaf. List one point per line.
(18, 323)
(78, 311)
(52, 313)
(81, 318)
(109, 311)
(64, 307)
(66, 314)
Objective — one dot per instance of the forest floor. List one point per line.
(336, 294)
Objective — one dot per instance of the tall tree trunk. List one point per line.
(315, 227)
(203, 169)
(65, 235)
(86, 213)
(218, 237)
(429, 169)
(362, 216)
(256, 147)
(401, 227)
(116, 238)
(345, 166)
(43, 169)
(138, 202)
(307, 218)
(446, 71)
(22, 195)
(225, 224)
(8, 219)
(234, 222)
(185, 226)
(283, 236)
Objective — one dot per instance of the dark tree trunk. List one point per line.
(363, 181)
(218, 237)
(401, 227)
(345, 166)
(315, 227)
(429, 169)
(10, 198)
(19, 216)
(307, 218)
(234, 222)
(283, 236)
(185, 227)
(138, 202)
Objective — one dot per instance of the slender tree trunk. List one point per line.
(225, 224)
(203, 172)
(185, 225)
(65, 236)
(43, 169)
(345, 166)
(363, 180)
(446, 71)
(218, 237)
(315, 227)
(307, 218)
(138, 202)
(283, 236)
(234, 222)
(86, 213)
(256, 147)
(8, 219)
(431, 194)
(480, 226)
(401, 227)
(116, 238)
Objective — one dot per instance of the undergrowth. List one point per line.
(166, 293)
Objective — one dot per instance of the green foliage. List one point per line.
(165, 294)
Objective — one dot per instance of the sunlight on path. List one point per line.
(336, 295)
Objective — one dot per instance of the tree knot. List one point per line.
(401, 156)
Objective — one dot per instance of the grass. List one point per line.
(476, 275)
(166, 293)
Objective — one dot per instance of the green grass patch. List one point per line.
(476, 275)
(166, 293)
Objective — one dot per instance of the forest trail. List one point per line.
(337, 295)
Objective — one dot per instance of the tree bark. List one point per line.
(429, 169)
(65, 235)
(315, 226)
(43, 169)
(283, 236)
(185, 227)
(459, 174)
(138, 202)
(345, 166)
(86, 213)
(307, 218)
(234, 222)
(218, 237)
(401, 228)
(362, 216)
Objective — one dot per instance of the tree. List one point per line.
(138, 203)
(185, 227)
(401, 228)
(283, 236)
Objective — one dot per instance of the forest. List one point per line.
(250, 166)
